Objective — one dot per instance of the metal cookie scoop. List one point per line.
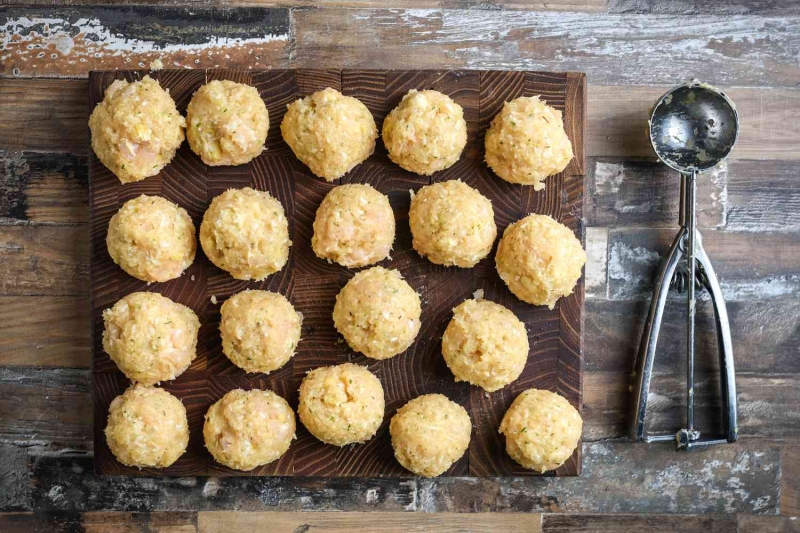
(692, 128)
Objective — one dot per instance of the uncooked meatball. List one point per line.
(542, 430)
(426, 132)
(245, 232)
(150, 337)
(246, 429)
(227, 123)
(341, 404)
(452, 224)
(485, 344)
(136, 129)
(429, 434)
(260, 330)
(329, 132)
(152, 239)
(540, 260)
(147, 427)
(526, 142)
(354, 226)
(377, 313)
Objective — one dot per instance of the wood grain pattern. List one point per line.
(311, 284)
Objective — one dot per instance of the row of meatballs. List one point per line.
(137, 129)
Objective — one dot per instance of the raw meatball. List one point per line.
(227, 123)
(540, 260)
(152, 239)
(377, 313)
(260, 330)
(341, 404)
(354, 226)
(542, 430)
(452, 224)
(329, 132)
(150, 337)
(147, 427)
(526, 142)
(426, 132)
(136, 129)
(245, 232)
(429, 434)
(485, 344)
(246, 429)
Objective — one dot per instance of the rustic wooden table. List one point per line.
(632, 50)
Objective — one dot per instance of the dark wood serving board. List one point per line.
(311, 284)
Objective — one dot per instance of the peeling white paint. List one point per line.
(596, 262)
(608, 177)
(718, 176)
(623, 256)
(771, 287)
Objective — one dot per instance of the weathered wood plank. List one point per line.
(768, 118)
(766, 334)
(662, 481)
(70, 41)
(99, 522)
(768, 524)
(612, 49)
(44, 331)
(44, 260)
(43, 188)
(554, 523)
(234, 522)
(763, 196)
(790, 482)
(695, 7)
(48, 115)
(50, 407)
(749, 265)
(768, 405)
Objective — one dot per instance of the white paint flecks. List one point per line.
(211, 488)
(718, 178)
(771, 287)
(630, 268)
(596, 262)
(608, 177)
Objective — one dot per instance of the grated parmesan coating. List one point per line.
(150, 337)
(341, 404)
(485, 344)
(245, 232)
(227, 123)
(540, 260)
(429, 434)
(260, 330)
(526, 142)
(378, 313)
(152, 239)
(329, 132)
(136, 129)
(147, 427)
(354, 226)
(452, 224)
(542, 430)
(246, 429)
(426, 132)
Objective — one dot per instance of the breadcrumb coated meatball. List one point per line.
(245, 232)
(260, 330)
(452, 224)
(147, 427)
(136, 129)
(526, 142)
(540, 260)
(150, 337)
(542, 430)
(152, 239)
(227, 123)
(429, 434)
(426, 132)
(341, 404)
(329, 132)
(378, 313)
(485, 344)
(246, 429)
(354, 226)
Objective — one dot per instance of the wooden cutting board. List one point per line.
(312, 284)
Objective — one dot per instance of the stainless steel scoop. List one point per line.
(692, 128)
